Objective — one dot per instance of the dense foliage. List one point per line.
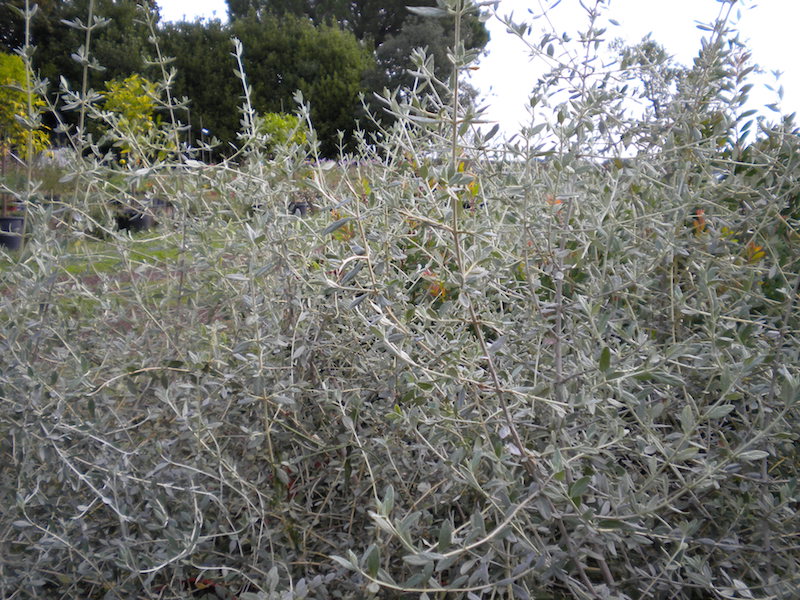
(326, 64)
(204, 73)
(325, 50)
(281, 57)
(559, 366)
(390, 28)
(129, 120)
(16, 131)
(369, 20)
(118, 39)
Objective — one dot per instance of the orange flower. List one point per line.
(437, 289)
(552, 200)
(754, 252)
(699, 221)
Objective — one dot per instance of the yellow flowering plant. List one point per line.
(20, 130)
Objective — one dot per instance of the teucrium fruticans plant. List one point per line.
(564, 366)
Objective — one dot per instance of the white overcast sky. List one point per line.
(507, 73)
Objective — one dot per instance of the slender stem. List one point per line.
(85, 83)
(167, 79)
(29, 98)
(474, 319)
(454, 200)
(559, 302)
(456, 83)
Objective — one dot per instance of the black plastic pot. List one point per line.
(299, 209)
(135, 220)
(141, 214)
(11, 230)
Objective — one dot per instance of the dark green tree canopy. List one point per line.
(371, 20)
(393, 56)
(286, 54)
(385, 25)
(118, 46)
(12, 26)
(330, 50)
(281, 55)
(201, 53)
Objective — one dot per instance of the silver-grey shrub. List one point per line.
(562, 367)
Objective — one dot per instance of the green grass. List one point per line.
(88, 255)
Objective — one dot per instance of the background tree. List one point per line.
(12, 27)
(119, 46)
(652, 71)
(281, 55)
(387, 27)
(14, 108)
(204, 75)
(369, 20)
(393, 55)
(286, 54)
